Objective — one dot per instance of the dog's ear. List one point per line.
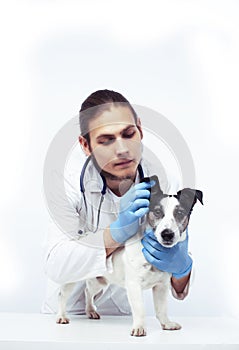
(188, 197)
(155, 191)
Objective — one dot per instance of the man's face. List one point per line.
(115, 142)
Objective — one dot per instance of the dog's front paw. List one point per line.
(62, 320)
(93, 315)
(138, 331)
(171, 326)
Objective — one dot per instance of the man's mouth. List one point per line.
(123, 163)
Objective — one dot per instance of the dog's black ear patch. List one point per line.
(155, 192)
(188, 197)
(145, 179)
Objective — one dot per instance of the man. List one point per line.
(105, 203)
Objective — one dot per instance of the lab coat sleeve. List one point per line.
(67, 256)
(70, 260)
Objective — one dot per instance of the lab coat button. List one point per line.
(80, 232)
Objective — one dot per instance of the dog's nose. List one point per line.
(167, 235)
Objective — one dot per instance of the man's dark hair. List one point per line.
(98, 102)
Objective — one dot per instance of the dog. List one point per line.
(168, 216)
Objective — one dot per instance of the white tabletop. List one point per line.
(38, 331)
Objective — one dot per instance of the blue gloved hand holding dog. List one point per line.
(133, 206)
(175, 260)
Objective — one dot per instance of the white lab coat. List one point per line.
(72, 252)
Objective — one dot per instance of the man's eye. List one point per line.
(106, 141)
(128, 135)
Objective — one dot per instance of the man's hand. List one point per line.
(174, 260)
(133, 206)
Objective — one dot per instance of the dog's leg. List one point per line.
(64, 293)
(94, 287)
(135, 297)
(160, 296)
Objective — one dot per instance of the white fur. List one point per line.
(133, 272)
(169, 222)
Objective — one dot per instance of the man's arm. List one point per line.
(180, 284)
(110, 244)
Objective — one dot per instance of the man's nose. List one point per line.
(121, 147)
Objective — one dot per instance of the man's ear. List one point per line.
(138, 124)
(85, 145)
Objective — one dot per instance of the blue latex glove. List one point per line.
(133, 205)
(174, 260)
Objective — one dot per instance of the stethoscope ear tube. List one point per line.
(82, 187)
(103, 191)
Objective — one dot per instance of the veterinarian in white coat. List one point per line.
(90, 225)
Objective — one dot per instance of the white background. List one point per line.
(179, 58)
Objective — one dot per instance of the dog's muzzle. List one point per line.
(167, 236)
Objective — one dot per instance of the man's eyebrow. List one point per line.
(110, 135)
(128, 127)
(104, 136)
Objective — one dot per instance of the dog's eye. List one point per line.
(158, 213)
(179, 215)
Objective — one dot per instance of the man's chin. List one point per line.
(118, 177)
(120, 174)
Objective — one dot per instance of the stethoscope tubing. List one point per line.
(104, 188)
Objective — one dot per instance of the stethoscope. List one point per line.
(104, 188)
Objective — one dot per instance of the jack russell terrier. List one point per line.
(168, 216)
